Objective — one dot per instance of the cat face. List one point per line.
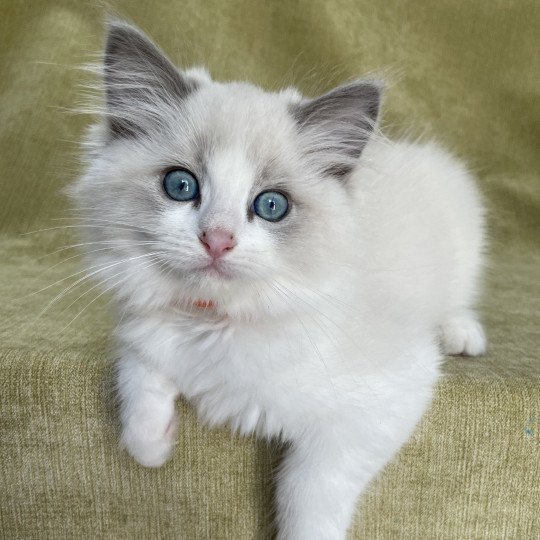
(218, 190)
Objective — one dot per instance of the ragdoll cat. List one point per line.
(281, 265)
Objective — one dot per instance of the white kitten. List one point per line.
(279, 265)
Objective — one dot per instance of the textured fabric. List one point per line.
(464, 72)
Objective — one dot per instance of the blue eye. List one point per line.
(271, 205)
(181, 185)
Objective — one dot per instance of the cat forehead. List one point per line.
(231, 167)
(235, 130)
(235, 170)
(240, 111)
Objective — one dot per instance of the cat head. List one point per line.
(217, 194)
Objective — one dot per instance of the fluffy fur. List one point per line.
(323, 329)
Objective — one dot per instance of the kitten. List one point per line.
(281, 265)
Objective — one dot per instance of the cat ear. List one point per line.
(138, 77)
(336, 126)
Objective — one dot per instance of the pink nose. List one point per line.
(217, 242)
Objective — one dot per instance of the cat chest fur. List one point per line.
(270, 378)
(245, 374)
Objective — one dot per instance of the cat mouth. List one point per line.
(216, 270)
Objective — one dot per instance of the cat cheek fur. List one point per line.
(329, 332)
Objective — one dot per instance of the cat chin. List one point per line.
(209, 299)
(207, 288)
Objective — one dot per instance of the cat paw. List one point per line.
(148, 443)
(463, 335)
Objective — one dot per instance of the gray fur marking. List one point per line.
(345, 116)
(135, 70)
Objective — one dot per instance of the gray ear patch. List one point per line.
(137, 74)
(337, 125)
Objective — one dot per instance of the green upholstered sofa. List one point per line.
(464, 72)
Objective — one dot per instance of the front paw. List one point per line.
(463, 335)
(149, 442)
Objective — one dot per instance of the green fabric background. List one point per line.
(464, 72)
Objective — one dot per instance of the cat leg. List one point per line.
(319, 484)
(463, 334)
(147, 411)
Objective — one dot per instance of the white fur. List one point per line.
(325, 332)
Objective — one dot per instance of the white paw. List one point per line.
(463, 335)
(149, 441)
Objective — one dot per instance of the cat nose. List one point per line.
(217, 242)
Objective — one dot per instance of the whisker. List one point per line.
(85, 278)
(104, 292)
(103, 281)
(82, 254)
(84, 226)
(81, 244)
